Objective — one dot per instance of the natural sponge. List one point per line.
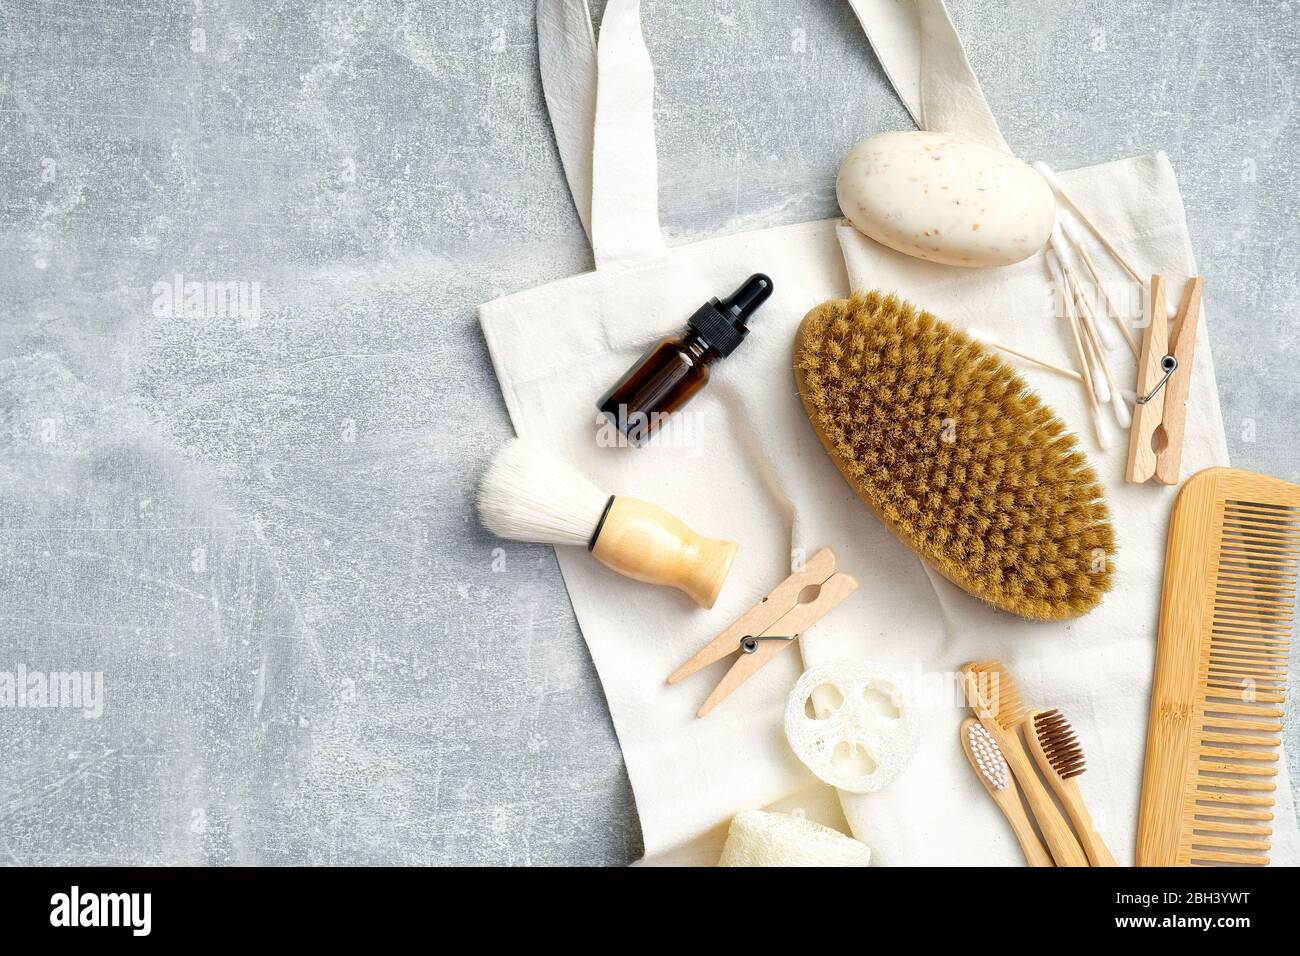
(851, 723)
(950, 449)
(759, 838)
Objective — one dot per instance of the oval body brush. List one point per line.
(528, 494)
(945, 443)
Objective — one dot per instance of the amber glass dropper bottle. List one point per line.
(675, 368)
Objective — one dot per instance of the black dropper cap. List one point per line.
(723, 325)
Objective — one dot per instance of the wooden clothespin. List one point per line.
(1155, 445)
(772, 625)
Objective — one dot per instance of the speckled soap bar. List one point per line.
(936, 197)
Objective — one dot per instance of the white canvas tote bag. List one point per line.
(742, 462)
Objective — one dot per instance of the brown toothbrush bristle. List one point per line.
(997, 688)
(1059, 742)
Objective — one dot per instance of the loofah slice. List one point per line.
(950, 449)
(759, 838)
(852, 725)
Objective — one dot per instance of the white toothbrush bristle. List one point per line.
(528, 494)
(988, 756)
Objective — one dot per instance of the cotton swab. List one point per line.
(1104, 386)
(1070, 226)
(1108, 391)
(1098, 423)
(984, 337)
(1075, 287)
(1046, 172)
(1104, 335)
(1110, 394)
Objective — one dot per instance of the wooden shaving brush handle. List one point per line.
(646, 543)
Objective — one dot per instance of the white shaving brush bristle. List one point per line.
(528, 494)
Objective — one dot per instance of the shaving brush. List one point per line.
(528, 494)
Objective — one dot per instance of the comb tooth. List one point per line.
(1238, 769)
(1262, 549)
(1212, 858)
(1233, 813)
(1273, 727)
(1214, 826)
(1265, 509)
(1255, 570)
(1255, 710)
(1235, 798)
(1237, 666)
(1249, 652)
(1231, 606)
(1263, 584)
(1259, 617)
(1229, 843)
(1255, 526)
(1240, 739)
(1255, 622)
(1236, 783)
(1239, 595)
(1237, 532)
(1243, 675)
(1261, 664)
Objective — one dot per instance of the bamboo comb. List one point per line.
(1220, 672)
(1059, 755)
(994, 697)
(991, 767)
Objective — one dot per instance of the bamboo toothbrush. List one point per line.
(1059, 755)
(991, 767)
(993, 696)
(528, 494)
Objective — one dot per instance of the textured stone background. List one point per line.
(262, 533)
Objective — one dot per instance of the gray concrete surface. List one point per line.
(258, 527)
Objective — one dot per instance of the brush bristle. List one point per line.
(527, 494)
(988, 757)
(946, 444)
(1059, 742)
(991, 688)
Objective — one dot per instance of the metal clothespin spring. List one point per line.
(1167, 365)
(749, 643)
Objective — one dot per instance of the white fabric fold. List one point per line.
(566, 57)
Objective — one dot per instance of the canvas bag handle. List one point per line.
(600, 96)
(601, 100)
